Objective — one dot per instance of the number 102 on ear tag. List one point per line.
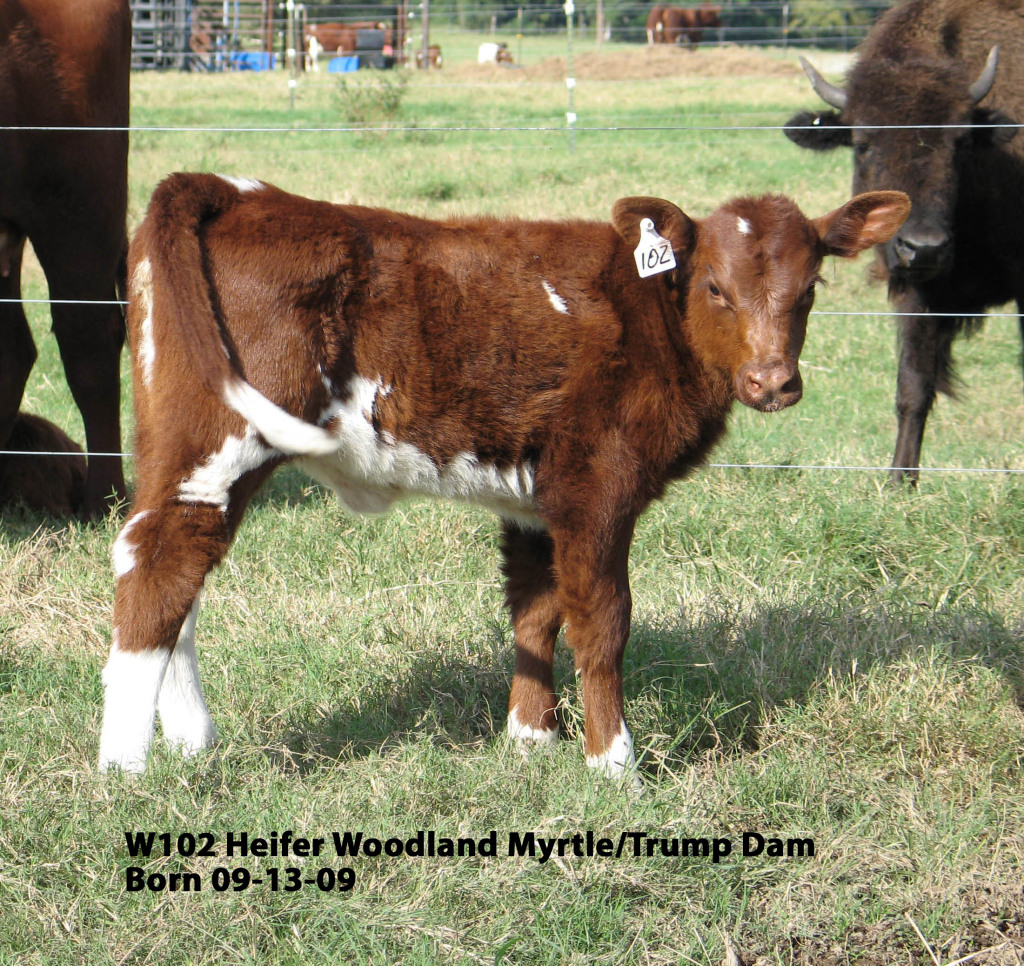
(654, 254)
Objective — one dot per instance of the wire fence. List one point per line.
(389, 129)
(208, 41)
(796, 467)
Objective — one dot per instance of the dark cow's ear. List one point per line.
(819, 132)
(865, 220)
(992, 127)
(669, 221)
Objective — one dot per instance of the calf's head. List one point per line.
(908, 122)
(746, 279)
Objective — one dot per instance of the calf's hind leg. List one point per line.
(161, 559)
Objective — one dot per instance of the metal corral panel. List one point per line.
(160, 33)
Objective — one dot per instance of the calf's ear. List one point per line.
(819, 132)
(669, 221)
(866, 220)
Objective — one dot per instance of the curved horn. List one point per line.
(986, 78)
(829, 93)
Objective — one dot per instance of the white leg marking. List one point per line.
(618, 758)
(186, 723)
(558, 303)
(243, 184)
(131, 683)
(142, 290)
(527, 737)
(123, 552)
(212, 479)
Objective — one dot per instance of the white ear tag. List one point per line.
(654, 254)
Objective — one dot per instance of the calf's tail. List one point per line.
(180, 206)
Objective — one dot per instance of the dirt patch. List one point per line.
(643, 63)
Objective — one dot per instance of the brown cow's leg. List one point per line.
(82, 262)
(161, 558)
(536, 616)
(17, 349)
(90, 340)
(593, 585)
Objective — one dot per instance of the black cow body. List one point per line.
(930, 108)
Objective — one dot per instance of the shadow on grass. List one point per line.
(705, 681)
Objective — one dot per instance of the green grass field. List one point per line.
(814, 655)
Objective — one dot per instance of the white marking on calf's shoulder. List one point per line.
(743, 226)
(243, 184)
(559, 304)
(123, 552)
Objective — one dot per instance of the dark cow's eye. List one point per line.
(715, 290)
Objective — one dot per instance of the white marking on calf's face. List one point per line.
(211, 481)
(371, 470)
(123, 552)
(558, 303)
(743, 226)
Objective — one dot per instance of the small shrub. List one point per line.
(374, 98)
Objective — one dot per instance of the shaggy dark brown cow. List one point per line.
(681, 25)
(525, 366)
(930, 108)
(64, 64)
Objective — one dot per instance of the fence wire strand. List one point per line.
(822, 467)
(545, 129)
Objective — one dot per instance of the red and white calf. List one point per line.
(560, 373)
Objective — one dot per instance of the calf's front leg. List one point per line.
(593, 585)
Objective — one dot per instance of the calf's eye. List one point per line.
(714, 290)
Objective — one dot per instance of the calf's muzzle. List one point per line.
(769, 385)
